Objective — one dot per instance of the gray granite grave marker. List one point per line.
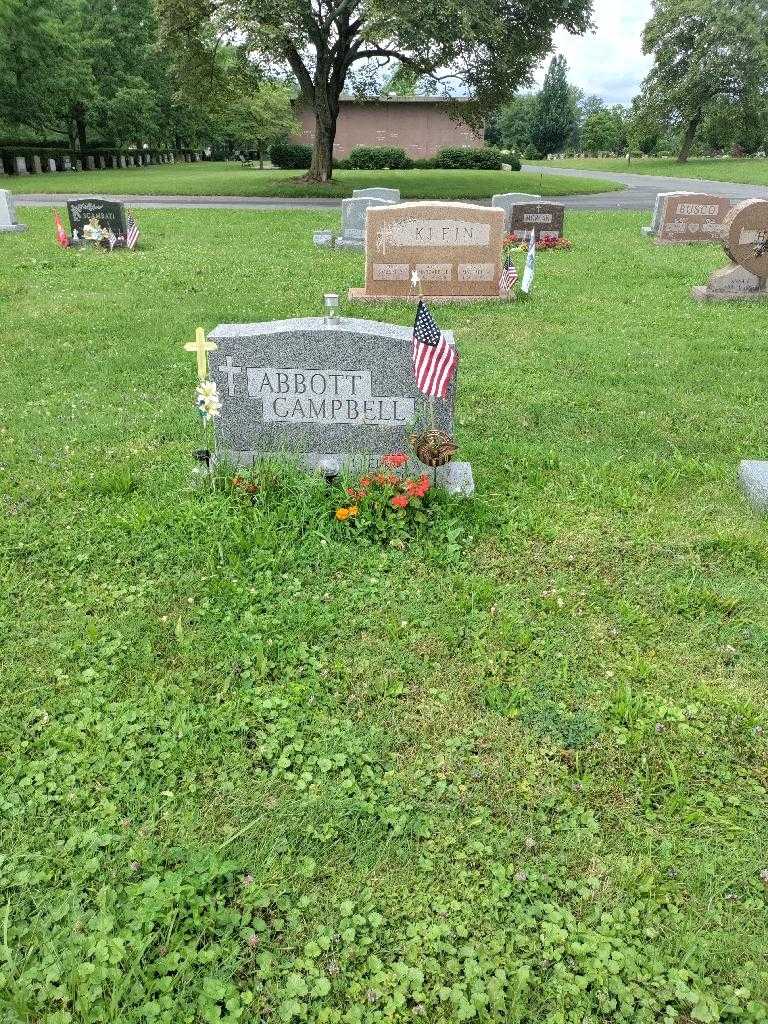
(8, 221)
(67, 162)
(543, 218)
(90, 162)
(753, 477)
(52, 168)
(506, 200)
(391, 194)
(37, 165)
(317, 388)
(21, 165)
(353, 217)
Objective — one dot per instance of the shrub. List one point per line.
(426, 163)
(291, 155)
(513, 162)
(379, 158)
(458, 158)
(531, 153)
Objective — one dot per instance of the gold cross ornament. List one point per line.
(201, 348)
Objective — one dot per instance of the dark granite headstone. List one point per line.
(544, 219)
(108, 215)
(316, 388)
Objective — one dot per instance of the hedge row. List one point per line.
(297, 156)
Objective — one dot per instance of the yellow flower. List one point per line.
(352, 510)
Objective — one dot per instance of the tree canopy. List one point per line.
(489, 45)
(703, 50)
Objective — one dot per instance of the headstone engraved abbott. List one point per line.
(9, 223)
(455, 248)
(86, 216)
(692, 217)
(544, 219)
(745, 240)
(314, 388)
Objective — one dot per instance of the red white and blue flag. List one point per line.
(434, 359)
(132, 232)
(508, 277)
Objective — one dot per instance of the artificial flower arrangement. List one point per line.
(386, 503)
(514, 242)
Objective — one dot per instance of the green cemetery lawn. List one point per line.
(220, 179)
(749, 172)
(514, 770)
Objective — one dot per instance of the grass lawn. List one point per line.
(256, 770)
(220, 179)
(748, 172)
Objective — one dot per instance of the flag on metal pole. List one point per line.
(530, 265)
(434, 359)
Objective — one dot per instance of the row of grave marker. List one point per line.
(35, 164)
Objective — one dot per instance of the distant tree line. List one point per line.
(706, 93)
(95, 72)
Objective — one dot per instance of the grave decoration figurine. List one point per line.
(745, 240)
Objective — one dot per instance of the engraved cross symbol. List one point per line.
(230, 371)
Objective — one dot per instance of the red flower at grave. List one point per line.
(394, 461)
(400, 501)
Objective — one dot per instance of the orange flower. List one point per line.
(365, 481)
(417, 488)
(394, 461)
(400, 501)
(343, 514)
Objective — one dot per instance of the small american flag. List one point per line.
(508, 276)
(132, 232)
(434, 360)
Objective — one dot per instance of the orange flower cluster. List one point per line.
(343, 514)
(409, 489)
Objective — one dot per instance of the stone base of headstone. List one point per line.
(360, 295)
(753, 477)
(648, 230)
(732, 284)
(13, 229)
(455, 477)
(323, 239)
(356, 244)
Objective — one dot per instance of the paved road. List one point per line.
(639, 194)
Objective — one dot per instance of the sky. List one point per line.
(608, 62)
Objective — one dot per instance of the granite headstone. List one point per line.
(354, 212)
(108, 215)
(316, 388)
(543, 218)
(454, 247)
(390, 194)
(744, 236)
(506, 200)
(693, 217)
(20, 164)
(661, 198)
(9, 223)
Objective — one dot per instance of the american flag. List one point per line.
(132, 232)
(434, 360)
(508, 276)
(61, 234)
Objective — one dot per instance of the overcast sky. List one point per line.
(608, 62)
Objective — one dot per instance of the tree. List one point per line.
(262, 115)
(489, 44)
(604, 130)
(514, 122)
(555, 118)
(702, 50)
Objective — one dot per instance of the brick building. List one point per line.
(420, 125)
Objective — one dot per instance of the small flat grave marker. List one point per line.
(92, 219)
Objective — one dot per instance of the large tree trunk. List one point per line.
(688, 137)
(78, 116)
(325, 135)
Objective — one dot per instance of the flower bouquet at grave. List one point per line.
(388, 505)
(516, 243)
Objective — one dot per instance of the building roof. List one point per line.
(348, 98)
